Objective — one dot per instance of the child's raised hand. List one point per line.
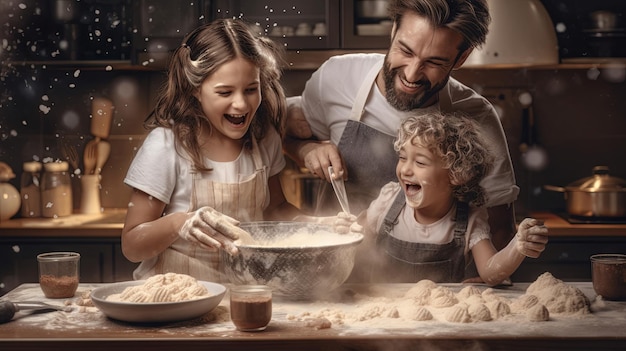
(532, 237)
(212, 229)
(345, 223)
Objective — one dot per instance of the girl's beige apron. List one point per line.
(243, 201)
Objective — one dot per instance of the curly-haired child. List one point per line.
(431, 223)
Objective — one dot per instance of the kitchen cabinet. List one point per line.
(580, 36)
(60, 30)
(319, 25)
(101, 259)
(95, 237)
(298, 25)
(160, 26)
(365, 25)
(140, 35)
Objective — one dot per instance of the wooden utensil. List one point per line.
(101, 117)
(104, 150)
(70, 154)
(90, 156)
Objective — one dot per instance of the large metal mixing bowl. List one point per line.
(293, 272)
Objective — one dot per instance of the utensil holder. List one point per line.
(90, 194)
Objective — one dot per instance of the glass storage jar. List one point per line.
(30, 189)
(56, 191)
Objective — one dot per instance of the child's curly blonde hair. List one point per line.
(457, 141)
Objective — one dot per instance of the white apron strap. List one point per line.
(364, 91)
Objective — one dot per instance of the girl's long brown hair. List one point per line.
(202, 52)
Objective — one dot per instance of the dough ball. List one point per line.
(442, 297)
(458, 314)
(468, 291)
(479, 312)
(538, 313)
(524, 302)
(393, 313)
(498, 309)
(420, 313)
(420, 292)
(474, 299)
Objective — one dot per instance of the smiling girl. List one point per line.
(212, 156)
(426, 225)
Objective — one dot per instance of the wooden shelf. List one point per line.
(312, 59)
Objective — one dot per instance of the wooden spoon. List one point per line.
(101, 117)
(104, 150)
(90, 156)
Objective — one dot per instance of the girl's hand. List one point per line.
(532, 237)
(212, 229)
(345, 223)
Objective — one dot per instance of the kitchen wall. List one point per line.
(579, 112)
(580, 118)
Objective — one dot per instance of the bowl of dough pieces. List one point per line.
(161, 298)
(297, 260)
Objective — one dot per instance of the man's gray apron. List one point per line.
(367, 152)
(408, 262)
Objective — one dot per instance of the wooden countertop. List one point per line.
(106, 224)
(89, 329)
(111, 221)
(558, 226)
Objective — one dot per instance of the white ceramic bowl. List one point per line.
(155, 312)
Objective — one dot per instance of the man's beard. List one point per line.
(407, 102)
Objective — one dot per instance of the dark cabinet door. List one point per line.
(160, 26)
(298, 25)
(101, 260)
(365, 25)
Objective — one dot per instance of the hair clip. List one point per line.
(184, 45)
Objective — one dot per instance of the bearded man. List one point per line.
(352, 106)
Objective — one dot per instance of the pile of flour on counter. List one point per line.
(428, 301)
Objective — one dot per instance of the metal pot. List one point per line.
(371, 8)
(600, 195)
(604, 20)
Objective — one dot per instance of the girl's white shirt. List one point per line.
(159, 171)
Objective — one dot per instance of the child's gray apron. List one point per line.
(408, 262)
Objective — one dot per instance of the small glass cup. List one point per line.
(608, 276)
(59, 274)
(250, 307)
